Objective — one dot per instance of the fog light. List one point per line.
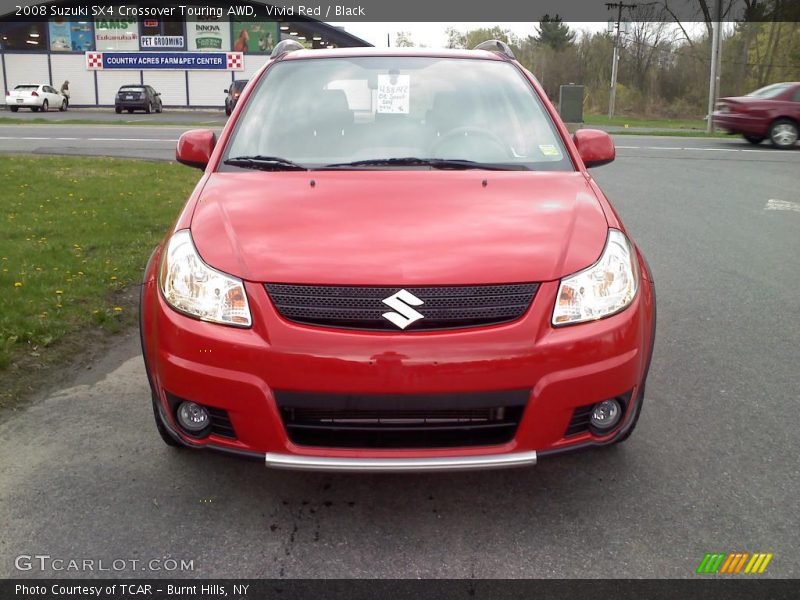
(605, 415)
(192, 417)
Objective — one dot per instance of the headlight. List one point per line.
(605, 288)
(192, 287)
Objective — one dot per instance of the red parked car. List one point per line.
(770, 112)
(396, 260)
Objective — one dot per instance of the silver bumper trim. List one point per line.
(394, 465)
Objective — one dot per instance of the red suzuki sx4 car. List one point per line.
(396, 261)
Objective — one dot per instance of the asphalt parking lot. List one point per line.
(712, 466)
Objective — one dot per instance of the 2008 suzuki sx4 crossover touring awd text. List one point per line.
(396, 261)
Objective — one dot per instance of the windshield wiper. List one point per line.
(434, 163)
(265, 163)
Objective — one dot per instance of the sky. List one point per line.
(433, 34)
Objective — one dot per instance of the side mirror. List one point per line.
(158, 93)
(595, 147)
(226, 91)
(195, 147)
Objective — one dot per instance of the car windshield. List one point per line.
(238, 85)
(131, 88)
(397, 112)
(770, 91)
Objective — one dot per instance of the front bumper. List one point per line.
(238, 370)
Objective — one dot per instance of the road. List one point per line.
(712, 465)
(200, 116)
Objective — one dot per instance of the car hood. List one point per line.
(398, 227)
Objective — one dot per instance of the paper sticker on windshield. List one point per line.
(549, 150)
(394, 93)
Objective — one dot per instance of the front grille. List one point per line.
(221, 423)
(580, 420)
(401, 421)
(363, 307)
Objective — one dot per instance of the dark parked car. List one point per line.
(233, 95)
(138, 97)
(770, 112)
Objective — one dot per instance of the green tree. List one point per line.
(554, 34)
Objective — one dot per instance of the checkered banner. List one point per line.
(94, 60)
(200, 61)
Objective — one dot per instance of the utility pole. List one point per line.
(615, 61)
(716, 59)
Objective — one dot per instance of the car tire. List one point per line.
(117, 110)
(45, 106)
(783, 133)
(166, 436)
(754, 139)
(149, 108)
(13, 108)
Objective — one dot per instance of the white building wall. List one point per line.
(72, 67)
(170, 84)
(207, 88)
(108, 82)
(252, 63)
(27, 68)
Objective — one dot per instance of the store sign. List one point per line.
(203, 61)
(255, 36)
(208, 34)
(116, 34)
(162, 41)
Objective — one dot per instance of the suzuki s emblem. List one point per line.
(402, 302)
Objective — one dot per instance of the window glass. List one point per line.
(23, 36)
(334, 110)
(70, 36)
(770, 91)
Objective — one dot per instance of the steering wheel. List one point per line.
(475, 132)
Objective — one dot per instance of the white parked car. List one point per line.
(36, 97)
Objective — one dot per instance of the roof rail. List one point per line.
(285, 47)
(496, 46)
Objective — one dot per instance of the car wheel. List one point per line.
(754, 139)
(162, 430)
(13, 108)
(45, 106)
(149, 108)
(783, 134)
(117, 109)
